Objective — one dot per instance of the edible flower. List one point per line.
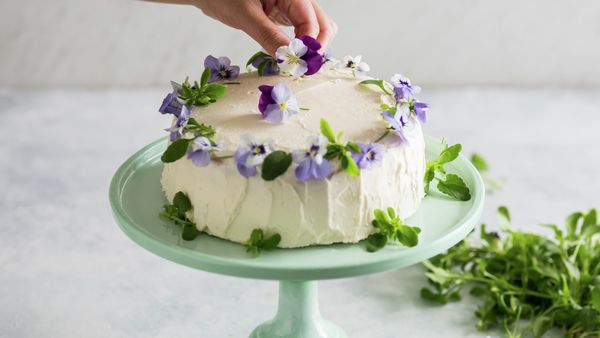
(398, 123)
(171, 104)
(355, 65)
(300, 57)
(176, 131)
(277, 103)
(221, 68)
(311, 162)
(250, 154)
(370, 155)
(420, 110)
(202, 146)
(403, 89)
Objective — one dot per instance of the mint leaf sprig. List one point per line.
(176, 212)
(201, 93)
(340, 151)
(449, 184)
(258, 242)
(527, 283)
(178, 148)
(391, 228)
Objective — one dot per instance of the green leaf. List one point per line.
(434, 297)
(215, 90)
(182, 202)
(271, 242)
(378, 83)
(350, 166)
(176, 150)
(429, 176)
(407, 236)
(455, 187)
(256, 236)
(327, 131)
(261, 67)
(190, 232)
(254, 57)
(479, 162)
(381, 216)
(595, 296)
(376, 242)
(504, 217)
(353, 147)
(449, 154)
(205, 77)
(275, 164)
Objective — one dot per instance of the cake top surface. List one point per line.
(339, 98)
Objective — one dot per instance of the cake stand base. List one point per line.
(298, 315)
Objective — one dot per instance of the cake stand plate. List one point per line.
(136, 198)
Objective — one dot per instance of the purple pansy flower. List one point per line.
(300, 57)
(250, 154)
(398, 122)
(370, 155)
(271, 67)
(221, 68)
(403, 89)
(311, 163)
(171, 104)
(276, 103)
(176, 131)
(200, 155)
(420, 110)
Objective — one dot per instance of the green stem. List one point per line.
(387, 131)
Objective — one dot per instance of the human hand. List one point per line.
(259, 19)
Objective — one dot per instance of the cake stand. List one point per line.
(136, 199)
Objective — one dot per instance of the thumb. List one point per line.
(259, 27)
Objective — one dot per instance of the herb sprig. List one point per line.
(202, 93)
(449, 184)
(340, 151)
(524, 276)
(178, 148)
(265, 60)
(391, 228)
(176, 212)
(258, 242)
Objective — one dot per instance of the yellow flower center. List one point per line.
(283, 105)
(293, 59)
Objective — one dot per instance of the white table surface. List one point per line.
(66, 270)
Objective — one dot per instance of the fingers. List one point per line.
(263, 30)
(303, 17)
(327, 27)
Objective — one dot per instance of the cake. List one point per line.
(318, 199)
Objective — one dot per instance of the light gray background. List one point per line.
(66, 270)
(123, 42)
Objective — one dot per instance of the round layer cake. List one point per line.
(338, 209)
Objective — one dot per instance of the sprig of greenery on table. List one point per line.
(524, 276)
(448, 184)
(390, 227)
(176, 212)
(203, 93)
(258, 242)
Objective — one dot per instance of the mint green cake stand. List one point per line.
(136, 199)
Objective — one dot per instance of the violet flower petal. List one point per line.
(200, 157)
(303, 170)
(322, 170)
(265, 98)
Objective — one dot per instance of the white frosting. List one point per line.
(339, 209)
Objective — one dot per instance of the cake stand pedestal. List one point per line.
(136, 198)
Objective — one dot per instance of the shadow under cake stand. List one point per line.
(136, 198)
